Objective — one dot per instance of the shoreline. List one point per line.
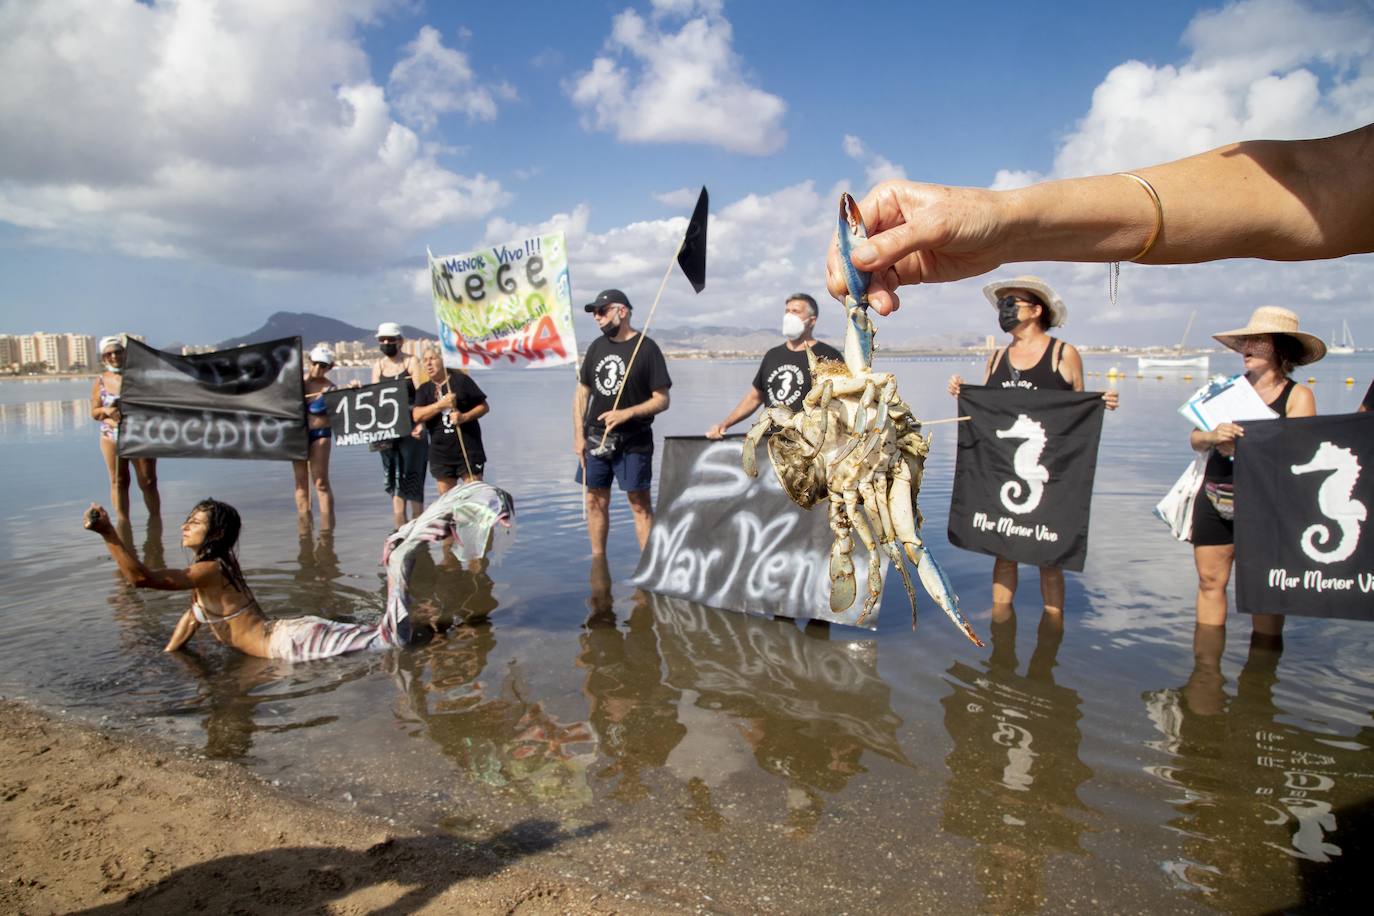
(94, 820)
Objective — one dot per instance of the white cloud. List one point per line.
(688, 86)
(248, 134)
(876, 168)
(1258, 68)
(432, 80)
(682, 197)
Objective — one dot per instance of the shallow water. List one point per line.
(735, 762)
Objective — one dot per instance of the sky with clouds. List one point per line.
(184, 168)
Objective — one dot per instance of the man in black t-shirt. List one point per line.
(625, 428)
(784, 376)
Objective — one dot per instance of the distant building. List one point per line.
(81, 351)
(9, 352)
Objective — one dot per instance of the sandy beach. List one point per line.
(93, 822)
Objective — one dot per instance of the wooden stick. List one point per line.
(947, 420)
(643, 332)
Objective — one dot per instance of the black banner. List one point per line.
(242, 403)
(1023, 478)
(360, 416)
(726, 540)
(1304, 497)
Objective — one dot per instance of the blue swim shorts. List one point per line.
(632, 470)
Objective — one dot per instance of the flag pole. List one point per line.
(643, 332)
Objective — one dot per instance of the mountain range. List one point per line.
(313, 329)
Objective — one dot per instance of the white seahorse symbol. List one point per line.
(1334, 500)
(1026, 463)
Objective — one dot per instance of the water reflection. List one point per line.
(804, 708)
(1014, 769)
(1255, 795)
(46, 418)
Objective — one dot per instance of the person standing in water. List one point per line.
(105, 408)
(1026, 309)
(316, 468)
(403, 459)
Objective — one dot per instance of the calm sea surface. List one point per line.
(718, 760)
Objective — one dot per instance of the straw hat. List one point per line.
(1059, 312)
(1270, 319)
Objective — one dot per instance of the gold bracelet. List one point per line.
(1159, 213)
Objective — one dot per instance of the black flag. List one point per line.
(1305, 517)
(1023, 478)
(692, 255)
(242, 403)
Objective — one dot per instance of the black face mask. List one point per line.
(391, 349)
(1008, 312)
(611, 328)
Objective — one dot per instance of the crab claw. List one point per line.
(851, 232)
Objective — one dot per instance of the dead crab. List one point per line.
(857, 443)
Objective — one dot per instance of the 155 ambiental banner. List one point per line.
(509, 303)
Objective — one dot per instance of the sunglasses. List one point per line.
(1008, 301)
(600, 311)
(388, 340)
(318, 363)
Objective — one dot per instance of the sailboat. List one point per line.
(1347, 344)
(1177, 360)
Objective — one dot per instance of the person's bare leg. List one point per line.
(443, 485)
(300, 471)
(146, 471)
(1268, 630)
(319, 470)
(1213, 573)
(1204, 690)
(416, 508)
(398, 510)
(598, 519)
(1052, 589)
(643, 509)
(1003, 581)
(119, 478)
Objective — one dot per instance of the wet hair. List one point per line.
(222, 526)
(810, 303)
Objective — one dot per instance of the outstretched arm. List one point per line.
(745, 408)
(1283, 200)
(138, 575)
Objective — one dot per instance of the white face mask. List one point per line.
(792, 326)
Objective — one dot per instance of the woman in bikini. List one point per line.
(1271, 346)
(1026, 309)
(317, 382)
(105, 408)
(222, 600)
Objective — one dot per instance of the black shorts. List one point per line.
(441, 470)
(1209, 528)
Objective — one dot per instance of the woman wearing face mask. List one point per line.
(1271, 346)
(105, 408)
(403, 459)
(1026, 309)
(784, 376)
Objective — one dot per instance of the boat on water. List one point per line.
(1347, 344)
(1176, 358)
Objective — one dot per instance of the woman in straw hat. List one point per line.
(105, 408)
(1271, 346)
(1026, 309)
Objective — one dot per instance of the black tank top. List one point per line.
(1043, 376)
(1221, 469)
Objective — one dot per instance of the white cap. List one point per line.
(322, 354)
(109, 343)
(389, 329)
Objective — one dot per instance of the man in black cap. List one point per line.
(618, 393)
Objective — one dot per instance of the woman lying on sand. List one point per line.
(222, 600)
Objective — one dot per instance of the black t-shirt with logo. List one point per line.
(602, 371)
(443, 436)
(784, 376)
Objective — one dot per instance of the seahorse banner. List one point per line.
(1305, 517)
(247, 402)
(724, 539)
(509, 304)
(1023, 478)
